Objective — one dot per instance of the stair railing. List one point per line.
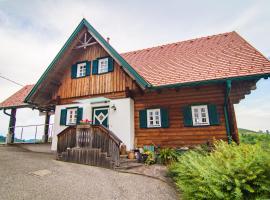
(91, 136)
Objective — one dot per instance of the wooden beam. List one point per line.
(159, 91)
(128, 92)
(46, 127)
(56, 83)
(11, 126)
(85, 45)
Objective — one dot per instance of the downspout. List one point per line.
(5, 112)
(226, 98)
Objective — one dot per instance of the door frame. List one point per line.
(99, 107)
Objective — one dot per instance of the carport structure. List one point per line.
(16, 101)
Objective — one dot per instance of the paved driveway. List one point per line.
(29, 175)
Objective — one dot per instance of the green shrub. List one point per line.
(150, 157)
(168, 155)
(229, 172)
(256, 138)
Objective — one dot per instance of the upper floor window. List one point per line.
(153, 118)
(200, 115)
(71, 116)
(103, 65)
(81, 69)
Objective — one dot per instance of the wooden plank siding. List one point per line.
(114, 82)
(177, 134)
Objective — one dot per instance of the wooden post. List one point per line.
(11, 127)
(233, 123)
(46, 127)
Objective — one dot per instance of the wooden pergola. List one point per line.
(15, 102)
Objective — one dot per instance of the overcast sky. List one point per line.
(32, 32)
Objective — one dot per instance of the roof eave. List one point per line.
(212, 81)
(78, 28)
(20, 106)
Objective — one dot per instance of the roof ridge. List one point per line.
(173, 43)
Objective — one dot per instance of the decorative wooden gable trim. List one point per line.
(111, 51)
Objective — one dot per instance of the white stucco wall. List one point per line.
(121, 120)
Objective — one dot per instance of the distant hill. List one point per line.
(242, 130)
(253, 137)
(2, 139)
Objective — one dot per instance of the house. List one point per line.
(179, 94)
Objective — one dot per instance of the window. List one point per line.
(71, 116)
(153, 118)
(81, 69)
(103, 65)
(200, 115)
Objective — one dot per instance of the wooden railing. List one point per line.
(66, 139)
(90, 137)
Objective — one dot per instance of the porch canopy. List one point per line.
(93, 100)
(15, 102)
(17, 99)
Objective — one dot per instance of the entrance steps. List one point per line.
(87, 156)
(126, 163)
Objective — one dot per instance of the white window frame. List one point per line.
(81, 69)
(103, 68)
(72, 114)
(154, 120)
(197, 115)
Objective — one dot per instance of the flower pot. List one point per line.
(123, 149)
(131, 155)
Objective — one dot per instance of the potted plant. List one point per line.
(149, 157)
(85, 122)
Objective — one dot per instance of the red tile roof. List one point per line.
(16, 100)
(213, 57)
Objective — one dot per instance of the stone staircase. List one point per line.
(126, 163)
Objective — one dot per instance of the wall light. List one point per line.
(113, 107)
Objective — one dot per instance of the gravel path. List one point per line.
(60, 180)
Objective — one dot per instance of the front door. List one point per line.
(101, 116)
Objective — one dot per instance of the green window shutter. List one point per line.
(63, 117)
(143, 118)
(110, 64)
(164, 118)
(95, 67)
(88, 64)
(74, 71)
(79, 115)
(187, 116)
(213, 114)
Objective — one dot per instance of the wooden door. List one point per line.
(101, 116)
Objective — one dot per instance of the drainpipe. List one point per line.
(227, 94)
